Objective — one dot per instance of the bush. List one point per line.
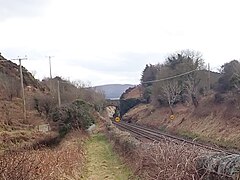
(44, 104)
(218, 98)
(77, 115)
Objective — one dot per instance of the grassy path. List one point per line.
(102, 162)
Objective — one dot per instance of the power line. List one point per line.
(168, 78)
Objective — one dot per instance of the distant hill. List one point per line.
(113, 91)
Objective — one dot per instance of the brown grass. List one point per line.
(163, 160)
(23, 139)
(63, 162)
(211, 123)
(167, 160)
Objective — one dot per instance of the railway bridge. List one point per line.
(112, 102)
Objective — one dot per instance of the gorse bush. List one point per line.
(77, 115)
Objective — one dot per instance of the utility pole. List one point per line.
(50, 66)
(22, 86)
(58, 90)
(50, 73)
(209, 84)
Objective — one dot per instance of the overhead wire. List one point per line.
(172, 77)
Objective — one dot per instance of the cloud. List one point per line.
(125, 67)
(111, 41)
(21, 8)
(119, 62)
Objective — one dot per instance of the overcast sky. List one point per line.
(111, 41)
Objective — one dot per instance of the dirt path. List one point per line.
(102, 162)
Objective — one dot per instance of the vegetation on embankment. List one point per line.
(41, 102)
(206, 123)
(27, 153)
(170, 160)
(204, 104)
(164, 160)
(77, 115)
(26, 139)
(62, 161)
(65, 161)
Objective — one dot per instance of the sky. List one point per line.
(111, 41)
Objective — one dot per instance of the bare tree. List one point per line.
(171, 91)
(191, 85)
(185, 61)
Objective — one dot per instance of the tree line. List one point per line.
(184, 77)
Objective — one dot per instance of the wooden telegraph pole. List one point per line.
(50, 66)
(22, 86)
(50, 73)
(58, 90)
(209, 76)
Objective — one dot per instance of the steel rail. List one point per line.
(155, 135)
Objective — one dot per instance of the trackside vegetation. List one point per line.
(77, 115)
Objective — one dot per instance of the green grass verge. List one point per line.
(103, 162)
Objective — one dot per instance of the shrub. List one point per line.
(77, 115)
(44, 104)
(218, 98)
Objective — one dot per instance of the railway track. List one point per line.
(155, 135)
